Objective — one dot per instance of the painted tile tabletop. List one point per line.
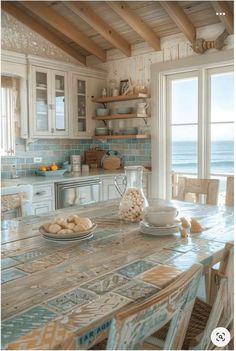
(64, 295)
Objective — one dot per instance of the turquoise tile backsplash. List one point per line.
(58, 150)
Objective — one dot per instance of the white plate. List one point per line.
(145, 224)
(159, 231)
(72, 236)
(89, 236)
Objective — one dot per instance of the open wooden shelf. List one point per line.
(105, 100)
(129, 136)
(120, 116)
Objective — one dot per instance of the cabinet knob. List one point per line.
(41, 192)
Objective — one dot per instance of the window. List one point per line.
(184, 123)
(200, 124)
(8, 110)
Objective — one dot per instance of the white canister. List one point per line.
(76, 168)
(115, 92)
(85, 168)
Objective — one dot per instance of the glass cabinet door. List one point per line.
(81, 106)
(60, 119)
(41, 105)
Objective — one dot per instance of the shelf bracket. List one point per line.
(105, 122)
(145, 121)
(104, 104)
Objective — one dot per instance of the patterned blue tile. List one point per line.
(25, 322)
(11, 274)
(136, 268)
(137, 290)
(106, 283)
(29, 256)
(76, 297)
(8, 262)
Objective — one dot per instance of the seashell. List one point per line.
(195, 226)
(185, 222)
(184, 233)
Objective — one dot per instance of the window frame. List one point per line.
(159, 72)
(10, 148)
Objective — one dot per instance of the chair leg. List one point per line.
(207, 277)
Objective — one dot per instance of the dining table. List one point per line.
(64, 295)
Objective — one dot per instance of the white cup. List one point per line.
(160, 215)
(85, 168)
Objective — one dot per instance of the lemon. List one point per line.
(54, 168)
(43, 168)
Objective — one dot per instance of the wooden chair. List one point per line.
(198, 187)
(16, 199)
(204, 317)
(173, 304)
(229, 200)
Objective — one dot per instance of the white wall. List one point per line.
(138, 66)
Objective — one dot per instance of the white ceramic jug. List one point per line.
(142, 108)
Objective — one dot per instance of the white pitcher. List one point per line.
(142, 108)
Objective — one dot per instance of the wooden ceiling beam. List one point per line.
(58, 22)
(85, 11)
(180, 18)
(228, 18)
(30, 22)
(136, 23)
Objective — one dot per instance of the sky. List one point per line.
(184, 107)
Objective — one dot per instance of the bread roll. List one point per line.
(54, 228)
(65, 231)
(72, 218)
(79, 228)
(46, 226)
(71, 225)
(85, 222)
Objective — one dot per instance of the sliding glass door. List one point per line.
(199, 119)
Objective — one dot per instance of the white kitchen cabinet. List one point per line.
(48, 103)
(43, 198)
(42, 207)
(83, 91)
(109, 191)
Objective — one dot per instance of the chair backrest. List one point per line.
(174, 303)
(17, 198)
(223, 306)
(229, 200)
(208, 187)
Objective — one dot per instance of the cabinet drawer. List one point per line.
(42, 191)
(42, 207)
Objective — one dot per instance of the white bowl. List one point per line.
(160, 215)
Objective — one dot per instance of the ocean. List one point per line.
(184, 157)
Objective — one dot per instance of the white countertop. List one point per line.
(37, 180)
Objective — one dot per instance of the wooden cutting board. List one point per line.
(94, 156)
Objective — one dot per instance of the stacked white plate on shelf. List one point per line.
(163, 230)
(160, 220)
